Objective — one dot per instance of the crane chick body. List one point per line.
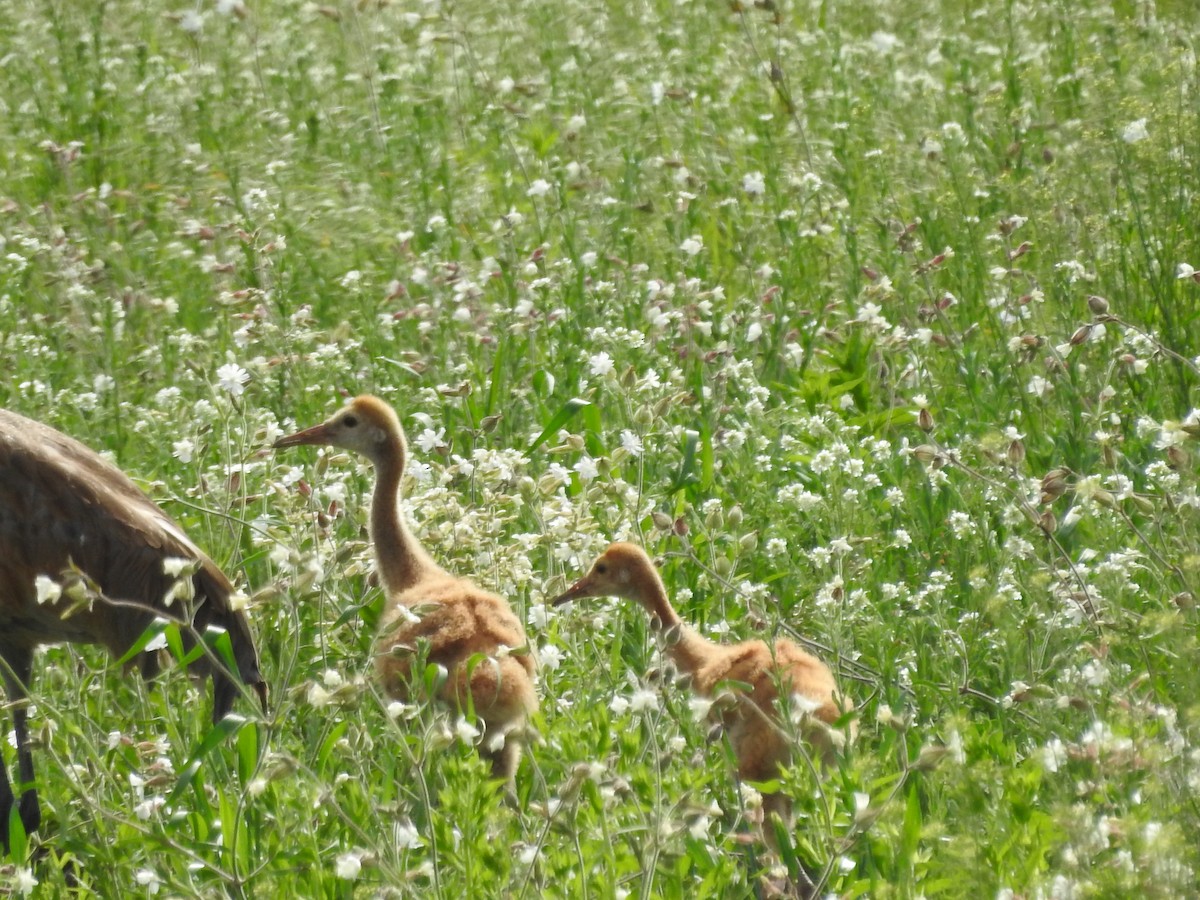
(752, 723)
(65, 514)
(466, 630)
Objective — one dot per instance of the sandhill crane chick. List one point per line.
(67, 515)
(474, 635)
(759, 742)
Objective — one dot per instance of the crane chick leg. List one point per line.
(505, 760)
(501, 694)
(19, 670)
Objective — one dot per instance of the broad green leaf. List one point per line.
(156, 628)
(558, 420)
(213, 738)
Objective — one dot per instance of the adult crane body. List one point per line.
(69, 516)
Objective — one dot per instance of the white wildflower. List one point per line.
(349, 865)
(232, 379)
(550, 657)
(631, 442)
(1039, 386)
(600, 364)
(24, 882)
(429, 440)
(148, 879)
(1135, 131)
(754, 183)
(48, 590)
(643, 700)
(699, 707)
(465, 730)
(406, 835)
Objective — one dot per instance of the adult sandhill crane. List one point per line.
(754, 671)
(68, 517)
(472, 634)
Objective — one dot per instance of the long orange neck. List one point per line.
(402, 560)
(687, 649)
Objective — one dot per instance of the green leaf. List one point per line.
(247, 752)
(558, 420)
(157, 627)
(910, 832)
(215, 736)
(401, 365)
(217, 640)
(687, 465)
(783, 838)
(707, 464)
(497, 380)
(18, 841)
(543, 382)
(328, 744)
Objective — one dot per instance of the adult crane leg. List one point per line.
(18, 666)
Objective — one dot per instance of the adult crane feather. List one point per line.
(68, 514)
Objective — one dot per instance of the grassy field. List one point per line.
(756, 242)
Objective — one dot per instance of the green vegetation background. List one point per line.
(677, 272)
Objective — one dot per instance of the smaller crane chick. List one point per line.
(752, 724)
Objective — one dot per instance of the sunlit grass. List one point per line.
(757, 242)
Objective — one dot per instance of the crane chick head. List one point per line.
(620, 571)
(365, 425)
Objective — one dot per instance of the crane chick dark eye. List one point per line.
(350, 421)
(601, 568)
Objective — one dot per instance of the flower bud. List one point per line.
(1098, 305)
(925, 420)
(866, 817)
(1047, 522)
(723, 566)
(1082, 333)
(1177, 457)
(930, 757)
(885, 716)
(1016, 452)
(1054, 483)
(748, 542)
(925, 453)
(661, 520)
(680, 527)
